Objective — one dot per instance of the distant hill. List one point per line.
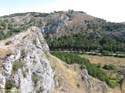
(68, 30)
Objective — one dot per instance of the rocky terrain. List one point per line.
(26, 66)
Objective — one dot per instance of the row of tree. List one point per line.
(86, 42)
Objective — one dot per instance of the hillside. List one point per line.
(68, 30)
(27, 66)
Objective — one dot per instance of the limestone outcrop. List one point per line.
(26, 68)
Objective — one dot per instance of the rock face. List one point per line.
(93, 86)
(26, 68)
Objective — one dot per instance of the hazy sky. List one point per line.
(111, 10)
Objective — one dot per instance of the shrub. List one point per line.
(10, 84)
(78, 85)
(35, 78)
(109, 67)
(23, 53)
(8, 42)
(17, 65)
(113, 83)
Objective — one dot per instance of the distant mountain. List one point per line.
(72, 30)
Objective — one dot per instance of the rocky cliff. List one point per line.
(26, 66)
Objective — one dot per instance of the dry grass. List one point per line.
(105, 60)
(4, 51)
(66, 76)
(116, 90)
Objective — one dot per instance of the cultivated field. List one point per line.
(105, 59)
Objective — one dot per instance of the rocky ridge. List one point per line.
(26, 68)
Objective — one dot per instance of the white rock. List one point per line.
(30, 52)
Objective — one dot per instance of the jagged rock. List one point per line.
(28, 65)
(2, 82)
(91, 85)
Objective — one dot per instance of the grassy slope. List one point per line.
(93, 70)
(67, 77)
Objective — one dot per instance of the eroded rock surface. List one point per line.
(26, 69)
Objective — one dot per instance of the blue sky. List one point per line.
(22, 3)
(111, 10)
